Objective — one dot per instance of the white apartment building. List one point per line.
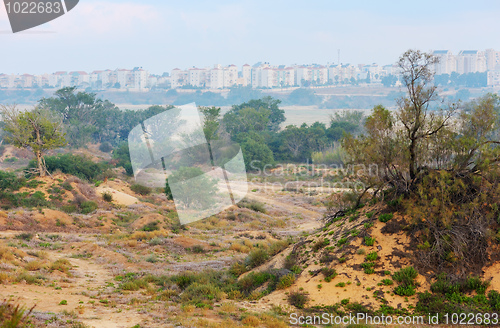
(246, 73)
(471, 61)
(179, 78)
(197, 77)
(494, 78)
(492, 59)
(447, 62)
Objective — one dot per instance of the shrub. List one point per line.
(256, 258)
(13, 315)
(9, 181)
(36, 200)
(77, 165)
(387, 282)
(253, 205)
(329, 272)
(286, 281)
(298, 299)
(198, 249)
(196, 293)
(406, 279)
(25, 236)
(385, 217)
(107, 197)
(105, 147)
(151, 258)
(252, 281)
(369, 241)
(405, 276)
(140, 189)
(151, 226)
(373, 256)
(61, 265)
(320, 244)
(87, 207)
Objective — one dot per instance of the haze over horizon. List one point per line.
(160, 36)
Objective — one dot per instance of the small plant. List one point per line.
(373, 256)
(87, 207)
(406, 279)
(368, 225)
(198, 249)
(340, 284)
(286, 281)
(152, 258)
(63, 302)
(387, 282)
(385, 217)
(140, 189)
(369, 214)
(298, 299)
(107, 197)
(369, 241)
(345, 301)
(368, 266)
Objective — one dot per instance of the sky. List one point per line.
(162, 35)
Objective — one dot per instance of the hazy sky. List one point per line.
(162, 35)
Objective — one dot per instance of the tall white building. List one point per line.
(447, 62)
(471, 61)
(246, 73)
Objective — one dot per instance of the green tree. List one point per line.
(276, 115)
(37, 130)
(190, 191)
(211, 122)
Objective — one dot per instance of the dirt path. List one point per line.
(88, 279)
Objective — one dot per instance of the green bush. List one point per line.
(25, 236)
(105, 147)
(253, 205)
(320, 244)
(256, 258)
(385, 217)
(198, 249)
(298, 299)
(369, 241)
(151, 226)
(286, 281)
(140, 189)
(77, 165)
(9, 181)
(35, 200)
(373, 256)
(197, 293)
(406, 279)
(87, 207)
(107, 197)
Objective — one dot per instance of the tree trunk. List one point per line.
(39, 162)
(38, 154)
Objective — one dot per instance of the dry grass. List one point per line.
(33, 266)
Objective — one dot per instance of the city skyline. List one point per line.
(259, 75)
(164, 35)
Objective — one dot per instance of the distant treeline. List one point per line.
(256, 125)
